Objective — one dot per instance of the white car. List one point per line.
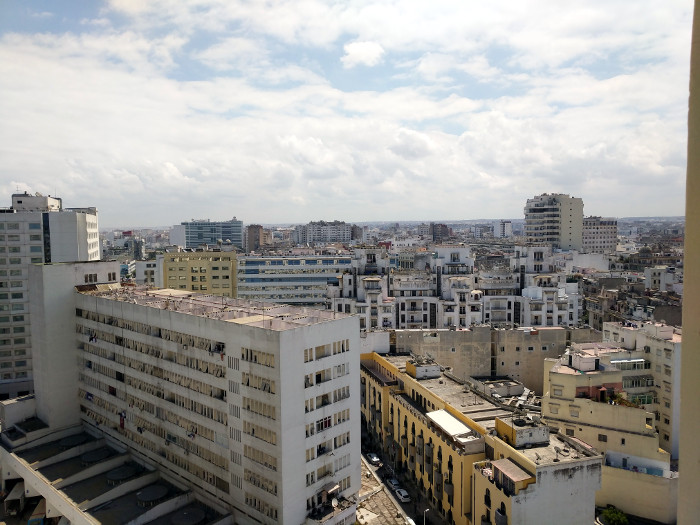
(402, 496)
(373, 459)
(393, 483)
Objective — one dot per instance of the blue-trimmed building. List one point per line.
(294, 279)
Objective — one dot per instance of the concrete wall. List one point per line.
(652, 497)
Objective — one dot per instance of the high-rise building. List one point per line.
(205, 232)
(555, 219)
(254, 237)
(599, 234)
(505, 229)
(323, 232)
(251, 408)
(35, 230)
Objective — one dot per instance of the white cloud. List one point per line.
(474, 109)
(362, 54)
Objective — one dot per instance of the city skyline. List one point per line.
(305, 111)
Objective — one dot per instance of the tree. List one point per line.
(613, 516)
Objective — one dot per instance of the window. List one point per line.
(569, 431)
(544, 348)
(23, 362)
(34, 226)
(603, 438)
(530, 348)
(574, 412)
(558, 391)
(35, 249)
(622, 441)
(35, 237)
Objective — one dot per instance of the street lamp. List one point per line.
(426, 510)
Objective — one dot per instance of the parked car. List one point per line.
(393, 483)
(402, 496)
(373, 458)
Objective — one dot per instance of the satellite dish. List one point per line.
(334, 502)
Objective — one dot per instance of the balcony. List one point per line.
(449, 488)
(501, 518)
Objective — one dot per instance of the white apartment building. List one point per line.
(504, 229)
(599, 235)
(322, 232)
(252, 407)
(35, 230)
(555, 219)
(295, 279)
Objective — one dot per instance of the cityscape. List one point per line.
(349, 263)
(483, 369)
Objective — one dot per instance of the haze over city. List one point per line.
(297, 111)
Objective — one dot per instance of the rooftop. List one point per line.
(277, 317)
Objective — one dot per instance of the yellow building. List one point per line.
(207, 272)
(473, 460)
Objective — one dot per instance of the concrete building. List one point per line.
(592, 395)
(656, 349)
(254, 237)
(473, 460)
(322, 232)
(555, 219)
(205, 232)
(504, 229)
(209, 272)
(249, 409)
(35, 230)
(484, 351)
(599, 235)
(295, 279)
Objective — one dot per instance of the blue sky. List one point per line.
(289, 111)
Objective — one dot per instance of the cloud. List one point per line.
(362, 54)
(435, 111)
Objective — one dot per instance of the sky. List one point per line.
(277, 111)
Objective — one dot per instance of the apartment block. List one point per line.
(593, 395)
(195, 233)
(555, 219)
(37, 229)
(654, 348)
(322, 232)
(473, 460)
(209, 272)
(599, 235)
(250, 409)
(294, 279)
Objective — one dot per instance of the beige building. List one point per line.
(484, 351)
(599, 235)
(587, 397)
(475, 462)
(206, 272)
(555, 219)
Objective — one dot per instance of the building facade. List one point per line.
(252, 407)
(209, 272)
(555, 219)
(472, 460)
(599, 235)
(35, 230)
(206, 232)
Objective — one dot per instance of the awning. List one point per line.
(330, 487)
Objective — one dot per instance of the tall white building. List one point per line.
(322, 232)
(555, 219)
(35, 230)
(253, 407)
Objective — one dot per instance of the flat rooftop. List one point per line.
(456, 395)
(272, 316)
